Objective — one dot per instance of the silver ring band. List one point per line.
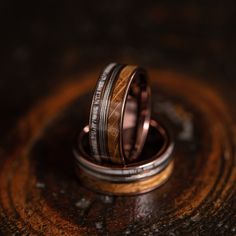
(95, 109)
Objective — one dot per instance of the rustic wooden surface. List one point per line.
(51, 56)
(40, 194)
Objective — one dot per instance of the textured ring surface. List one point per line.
(95, 109)
(121, 90)
(142, 173)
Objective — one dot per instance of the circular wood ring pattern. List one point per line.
(39, 193)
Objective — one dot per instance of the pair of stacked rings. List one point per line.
(110, 150)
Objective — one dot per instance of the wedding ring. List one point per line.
(121, 100)
(151, 170)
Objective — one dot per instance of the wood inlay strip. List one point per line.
(115, 114)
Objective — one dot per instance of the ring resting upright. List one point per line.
(122, 100)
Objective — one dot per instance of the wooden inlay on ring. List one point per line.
(114, 114)
(132, 188)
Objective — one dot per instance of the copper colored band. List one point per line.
(130, 79)
(133, 171)
(141, 176)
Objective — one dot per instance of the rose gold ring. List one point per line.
(151, 170)
(121, 101)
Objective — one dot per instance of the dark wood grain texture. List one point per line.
(51, 55)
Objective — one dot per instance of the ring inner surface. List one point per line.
(136, 117)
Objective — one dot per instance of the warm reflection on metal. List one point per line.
(149, 172)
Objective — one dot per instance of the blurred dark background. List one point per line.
(44, 42)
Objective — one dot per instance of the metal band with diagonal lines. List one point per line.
(120, 88)
(103, 136)
(95, 110)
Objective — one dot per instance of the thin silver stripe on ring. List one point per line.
(129, 170)
(126, 178)
(95, 109)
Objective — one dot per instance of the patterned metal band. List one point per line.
(103, 136)
(134, 178)
(95, 110)
(106, 123)
(137, 170)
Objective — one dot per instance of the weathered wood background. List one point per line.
(51, 55)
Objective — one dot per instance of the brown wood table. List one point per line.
(52, 55)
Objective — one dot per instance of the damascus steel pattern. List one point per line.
(95, 109)
(103, 136)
